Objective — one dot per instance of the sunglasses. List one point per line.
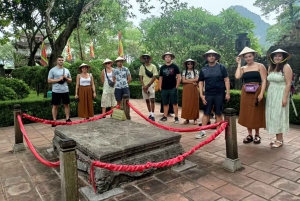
(146, 58)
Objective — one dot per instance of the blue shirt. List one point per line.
(56, 73)
(121, 75)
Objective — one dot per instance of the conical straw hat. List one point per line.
(247, 50)
(107, 61)
(189, 60)
(280, 51)
(120, 59)
(211, 51)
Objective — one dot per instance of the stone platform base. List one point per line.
(119, 142)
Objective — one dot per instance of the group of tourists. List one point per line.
(211, 83)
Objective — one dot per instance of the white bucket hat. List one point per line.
(247, 50)
(189, 60)
(145, 55)
(168, 53)
(82, 65)
(211, 52)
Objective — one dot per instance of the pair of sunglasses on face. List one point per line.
(146, 58)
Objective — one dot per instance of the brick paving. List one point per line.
(269, 174)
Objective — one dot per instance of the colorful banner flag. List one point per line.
(44, 60)
(120, 47)
(92, 50)
(69, 55)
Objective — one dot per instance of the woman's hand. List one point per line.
(260, 97)
(94, 94)
(76, 96)
(195, 83)
(284, 102)
(238, 60)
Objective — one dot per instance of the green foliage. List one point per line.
(38, 107)
(34, 76)
(18, 86)
(269, 6)
(194, 29)
(6, 93)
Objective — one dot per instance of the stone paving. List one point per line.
(268, 174)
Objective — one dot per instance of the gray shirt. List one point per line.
(56, 73)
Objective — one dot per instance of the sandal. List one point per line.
(186, 122)
(256, 139)
(208, 123)
(276, 144)
(248, 139)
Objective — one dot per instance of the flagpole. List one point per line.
(81, 56)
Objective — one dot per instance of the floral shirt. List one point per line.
(121, 75)
(190, 74)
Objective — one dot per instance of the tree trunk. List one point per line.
(31, 61)
(59, 44)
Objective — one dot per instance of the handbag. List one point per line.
(110, 83)
(251, 88)
(148, 73)
(63, 80)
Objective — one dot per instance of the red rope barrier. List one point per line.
(31, 147)
(45, 121)
(198, 128)
(140, 168)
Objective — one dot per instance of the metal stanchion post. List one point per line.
(232, 161)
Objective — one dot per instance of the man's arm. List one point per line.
(51, 79)
(178, 80)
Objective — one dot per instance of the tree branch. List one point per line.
(48, 24)
(88, 6)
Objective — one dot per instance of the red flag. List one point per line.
(44, 60)
(69, 57)
(120, 47)
(92, 50)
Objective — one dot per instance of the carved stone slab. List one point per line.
(119, 142)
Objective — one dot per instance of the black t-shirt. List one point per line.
(169, 74)
(213, 78)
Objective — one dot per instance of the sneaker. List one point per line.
(172, 114)
(163, 119)
(152, 118)
(200, 135)
(68, 120)
(53, 125)
(176, 120)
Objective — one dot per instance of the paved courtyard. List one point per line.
(268, 174)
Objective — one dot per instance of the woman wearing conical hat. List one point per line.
(190, 97)
(277, 106)
(252, 103)
(108, 95)
(85, 92)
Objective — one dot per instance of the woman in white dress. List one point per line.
(108, 96)
(277, 106)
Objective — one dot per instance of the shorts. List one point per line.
(58, 97)
(214, 100)
(150, 94)
(169, 96)
(120, 92)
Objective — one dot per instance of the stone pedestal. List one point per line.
(119, 142)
